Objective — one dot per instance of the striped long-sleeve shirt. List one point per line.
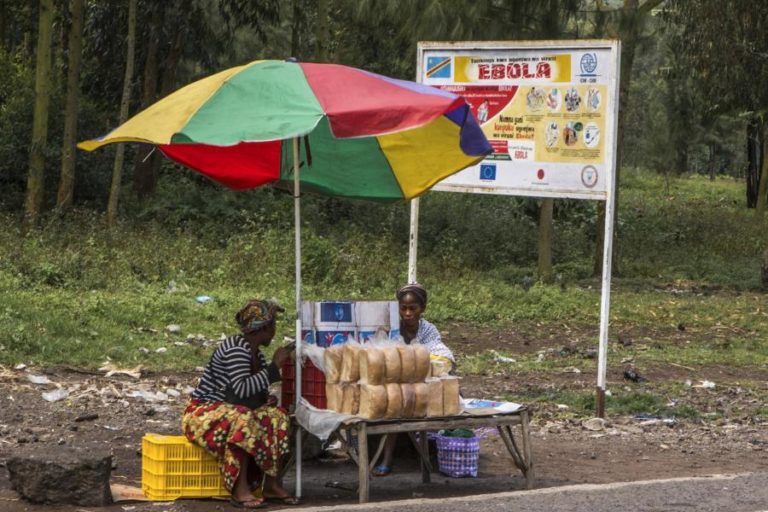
(230, 366)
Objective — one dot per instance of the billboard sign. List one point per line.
(549, 109)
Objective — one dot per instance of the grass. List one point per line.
(75, 293)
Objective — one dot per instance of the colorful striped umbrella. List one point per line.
(352, 133)
(365, 135)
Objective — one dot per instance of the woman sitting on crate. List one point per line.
(412, 301)
(231, 414)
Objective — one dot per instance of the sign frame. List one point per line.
(607, 193)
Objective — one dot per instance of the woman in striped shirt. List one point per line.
(231, 414)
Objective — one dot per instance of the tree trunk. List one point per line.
(296, 28)
(631, 17)
(322, 30)
(550, 28)
(753, 161)
(147, 162)
(117, 171)
(762, 189)
(546, 239)
(67, 180)
(3, 23)
(36, 178)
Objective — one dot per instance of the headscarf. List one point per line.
(416, 290)
(257, 314)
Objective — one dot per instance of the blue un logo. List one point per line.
(488, 172)
(588, 63)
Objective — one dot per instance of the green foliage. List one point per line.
(680, 241)
(621, 403)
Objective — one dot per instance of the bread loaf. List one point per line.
(451, 398)
(440, 366)
(350, 363)
(421, 357)
(332, 361)
(350, 403)
(409, 400)
(434, 397)
(394, 401)
(331, 397)
(373, 401)
(422, 400)
(392, 366)
(407, 363)
(372, 369)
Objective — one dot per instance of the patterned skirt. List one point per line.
(232, 432)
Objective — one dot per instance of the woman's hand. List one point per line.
(280, 356)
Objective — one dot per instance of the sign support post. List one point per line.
(550, 110)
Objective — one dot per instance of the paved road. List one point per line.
(721, 493)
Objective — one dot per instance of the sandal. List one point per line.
(283, 500)
(249, 504)
(381, 470)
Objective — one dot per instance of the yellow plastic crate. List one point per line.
(172, 467)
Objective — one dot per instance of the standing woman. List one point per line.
(231, 414)
(412, 302)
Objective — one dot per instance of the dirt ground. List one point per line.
(110, 414)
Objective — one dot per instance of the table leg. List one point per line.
(530, 475)
(362, 455)
(425, 465)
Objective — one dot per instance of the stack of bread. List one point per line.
(393, 381)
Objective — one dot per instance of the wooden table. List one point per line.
(521, 454)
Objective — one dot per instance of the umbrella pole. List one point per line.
(297, 246)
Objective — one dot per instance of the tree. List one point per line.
(67, 180)
(631, 18)
(322, 31)
(36, 178)
(726, 52)
(117, 171)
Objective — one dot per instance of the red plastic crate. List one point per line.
(312, 385)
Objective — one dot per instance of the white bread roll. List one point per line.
(434, 397)
(332, 361)
(421, 356)
(393, 368)
(407, 363)
(451, 398)
(394, 401)
(373, 402)
(350, 363)
(409, 400)
(350, 402)
(372, 368)
(422, 400)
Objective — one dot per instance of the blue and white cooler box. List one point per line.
(327, 323)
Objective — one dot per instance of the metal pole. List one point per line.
(414, 240)
(297, 245)
(610, 206)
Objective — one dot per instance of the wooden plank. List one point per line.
(351, 451)
(380, 449)
(426, 467)
(441, 424)
(530, 474)
(362, 453)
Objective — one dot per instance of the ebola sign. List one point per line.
(549, 110)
